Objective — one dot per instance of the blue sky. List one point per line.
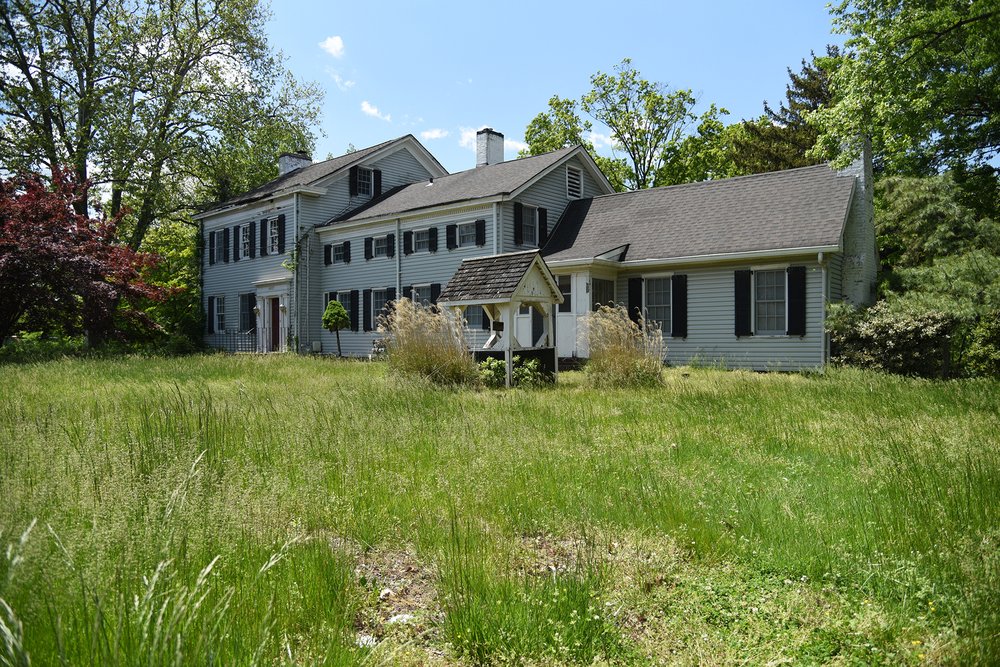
(441, 70)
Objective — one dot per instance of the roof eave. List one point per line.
(730, 256)
(411, 213)
(302, 189)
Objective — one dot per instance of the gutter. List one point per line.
(306, 190)
(481, 202)
(731, 256)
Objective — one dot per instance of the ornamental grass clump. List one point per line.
(429, 343)
(623, 353)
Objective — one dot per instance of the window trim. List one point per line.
(220, 245)
(473, 325)
(385, 247)
(369, 173)
(567, 303)
(333, 253)
(668, 276)
(245, 241)
(458, 235)
(783, 268)
(378, 311)
(413, 291)
(220, 314)
(525, 208)
(424, 230)
(273, 243)
(569, 194)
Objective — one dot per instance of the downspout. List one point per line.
(297, 320)
(824, 348)
(399, 260)
(496, 228)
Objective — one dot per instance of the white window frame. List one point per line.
(220, 314)
(415, 289)
(385, 246)
(567, 305)
(525, 209)
(569, 192)
(478, 323)
(366, 182)
(426, 232)
(783, 269)
(376, 311)
(664, 326)
(220, 245)
(244, 241)
(272, 237)
(344, 297)
(334, 258)
(469, 238)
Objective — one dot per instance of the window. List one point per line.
(474, 317)
(220, 314)
(658, 301)
(248, 319)
(272, 235)
(220, 246)
(566, 288)
(338, 253)
(244, 241)
(379, 298)
(602, 293)
(769, 302)
(466, 234)
(380, 246)
(364, 181)
(345, 300)
(529, 229)
(574, 183)
(422, 295)
(422, 240)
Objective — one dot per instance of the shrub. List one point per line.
(529, 373)
(983, 357)
(891, 340)
(335, 318)
(623, 353)
(427, 343)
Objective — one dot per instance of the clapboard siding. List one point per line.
(711, 328)
(835, 269)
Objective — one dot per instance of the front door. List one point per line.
(274, 342)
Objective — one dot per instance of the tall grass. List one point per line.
(200, 508)
(623, 353)
(429, 343)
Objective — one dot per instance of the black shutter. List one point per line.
(367, 305)
(390, 245)
(543, 226)
(327, 254)
(796, 301)
(435, 292)
(390, 297)
(225, 245)
(253, 240)
(263, 238)
(347, 252)
(236, 243)
(377, 182)
(635, 299)
(281, 234)
(407, 292)
(679, 305)
(480, 232)
(486, 319)
(354, 310)
(743, 295)
(432, 241)
(368, 247)
(211, 314)
(518, 223)
(407, 243)
(353, 181)
(451, 236)
(211, 248)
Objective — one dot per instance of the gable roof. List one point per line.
(310, 174)
(792, 209)
(491, 180)
(489, 279)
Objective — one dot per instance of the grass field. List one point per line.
(280, 509)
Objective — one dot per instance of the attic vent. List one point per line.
(574, 183)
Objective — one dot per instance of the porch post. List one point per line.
(508, 349)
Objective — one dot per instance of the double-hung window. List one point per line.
(566, 289)
(769, 302)
(338, 253)
(244, 241)
(220, 314)
(380, 246)
(466, 234)
(220, 246)
(422, 240)
(345, 300)
(272, 236)
(529, 226)
(602, 293)
(364, 181)
(658, 301)
(422, 295)
(379, 299)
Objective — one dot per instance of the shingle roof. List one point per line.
(489, 278)
(304, 176)
(487, 181)
(797, 208)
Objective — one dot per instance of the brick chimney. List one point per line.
(289, 162)
(489, 147)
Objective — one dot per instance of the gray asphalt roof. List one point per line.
(487, 181)
(488, 278)
(304, 176)
(797, 208)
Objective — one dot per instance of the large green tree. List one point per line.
(920, 78)
(157, 102)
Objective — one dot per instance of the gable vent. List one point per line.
(574, 183)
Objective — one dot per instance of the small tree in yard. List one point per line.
(335, 318)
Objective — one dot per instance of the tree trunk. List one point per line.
(339, 353)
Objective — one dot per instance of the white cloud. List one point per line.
(370, 109)
(343, 84)
(602, 140)
(513, 145)
(434, 133)
(334, 45)
(467, 137)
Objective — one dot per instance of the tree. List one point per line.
(61, 266)
(782, 138)
(920, 78)
(155, 102)
(708, 154)
(335, 318)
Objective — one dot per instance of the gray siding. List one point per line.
(835, 270)
(711, 325)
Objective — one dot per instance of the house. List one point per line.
(737, 272)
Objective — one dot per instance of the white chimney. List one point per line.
(489, 147)
(289, 162)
